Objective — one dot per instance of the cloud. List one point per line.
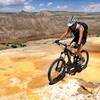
(28, 7)
(63, 7)
(11, 2)
(42, 9)
(41, 5)
(8, 9)
(14, 5)
(92, 7)
(11, 5)
(50, 3)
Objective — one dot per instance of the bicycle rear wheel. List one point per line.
(56, 71)
(85, 54)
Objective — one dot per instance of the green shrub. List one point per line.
(97, 34)
(14, 46)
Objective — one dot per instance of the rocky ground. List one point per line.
(24, 26)
(23, 73)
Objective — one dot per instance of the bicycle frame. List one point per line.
(67, 52)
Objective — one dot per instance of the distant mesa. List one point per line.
(25, 25)
(44, 13)
(23, 11)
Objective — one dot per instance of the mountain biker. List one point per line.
(80, 31)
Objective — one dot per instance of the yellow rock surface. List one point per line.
(33, 96)
(30, 66)
(10, 91)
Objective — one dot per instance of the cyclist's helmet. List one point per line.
(71, 21)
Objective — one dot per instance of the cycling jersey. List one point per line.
(75, 30)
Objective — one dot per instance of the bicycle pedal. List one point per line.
(73, 73)
(79, 70)
(71, 69)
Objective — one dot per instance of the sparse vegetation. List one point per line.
(12, 45)
(97, 34)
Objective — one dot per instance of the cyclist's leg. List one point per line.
(79, 50)
(82, 43)
(73, 41)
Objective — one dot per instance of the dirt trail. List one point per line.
(26, 68)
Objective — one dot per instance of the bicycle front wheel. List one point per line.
(56, 71)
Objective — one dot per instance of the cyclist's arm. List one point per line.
(64, 34)
(81, 34)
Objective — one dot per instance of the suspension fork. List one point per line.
(69, 56)
(59, 68)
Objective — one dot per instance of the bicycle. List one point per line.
(62, 66)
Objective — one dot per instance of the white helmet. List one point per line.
(71, 21)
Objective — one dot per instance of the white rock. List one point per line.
(14, 81)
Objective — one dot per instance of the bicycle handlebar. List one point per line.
(60, 43)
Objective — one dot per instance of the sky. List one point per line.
(51, 5)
